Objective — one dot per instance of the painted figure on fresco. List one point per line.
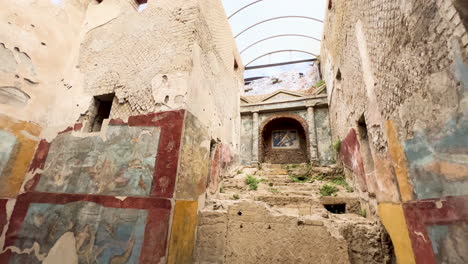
(285, 139)
(100, 234)
(123, 164)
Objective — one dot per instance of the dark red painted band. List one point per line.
(420, 214)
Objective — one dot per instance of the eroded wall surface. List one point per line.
(111, 195)
(126, 194)
(397, 78)
(171, 55)
(250, 232)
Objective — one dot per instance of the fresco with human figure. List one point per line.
(101, 234)
(122, 164)
(286, 139)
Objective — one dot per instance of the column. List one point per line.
(312, 134)
(255, 138)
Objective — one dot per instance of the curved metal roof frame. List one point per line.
(279, 51)
(279, 36)
(276, 18)
(244, 7)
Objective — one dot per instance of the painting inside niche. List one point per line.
(99, 234)
(122, 164)
(285, 139)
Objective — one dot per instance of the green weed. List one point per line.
(299, 179)
(252, 182)
(274, 190)
(221, 189)
(319, 83)
(363, 212)
(235, 197)
(336, 145)
(328, 190)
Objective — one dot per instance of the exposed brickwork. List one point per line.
(396, 73)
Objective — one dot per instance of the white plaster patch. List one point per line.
(9, 210)
(34, 249)
(421, 235)
(121, 198)
(64, 250)
(29, 176)
(29, 136)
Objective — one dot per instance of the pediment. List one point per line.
(244, 101)
(282, 96)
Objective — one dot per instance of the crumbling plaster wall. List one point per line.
(39, 42)
(403, 65)
(172, 55)
(130, 56)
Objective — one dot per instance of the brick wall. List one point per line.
(396, 74)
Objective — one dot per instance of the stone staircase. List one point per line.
(291, 213)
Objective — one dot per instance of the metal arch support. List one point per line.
(279, 36)
(244, 7)
(276, 18)
(279, 51)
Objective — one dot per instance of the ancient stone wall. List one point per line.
(251, 232)
(396, 74)
(130, 192)
(171, 55)
(322, 133)
(171, 76)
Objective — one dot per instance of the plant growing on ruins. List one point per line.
(274, 190)
(320, 177)
(349, 189)
(239, 172)
(336, 145)
(299, 179)
(252, 182)
(270, 184)
(340, 180)
(328, 190)
(363, 212)
(235, 197)
(221, 189)
(319, 83)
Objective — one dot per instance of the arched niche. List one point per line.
(284, 139)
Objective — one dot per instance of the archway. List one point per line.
(283, 139)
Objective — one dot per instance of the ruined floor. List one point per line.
(282, 217)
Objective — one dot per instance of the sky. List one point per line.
(267, 9)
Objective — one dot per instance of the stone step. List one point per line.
(272, 172)
(282, 200)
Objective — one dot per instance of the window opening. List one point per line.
(103, 105)
(462, 8)
(336, 208)
(365, 145)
